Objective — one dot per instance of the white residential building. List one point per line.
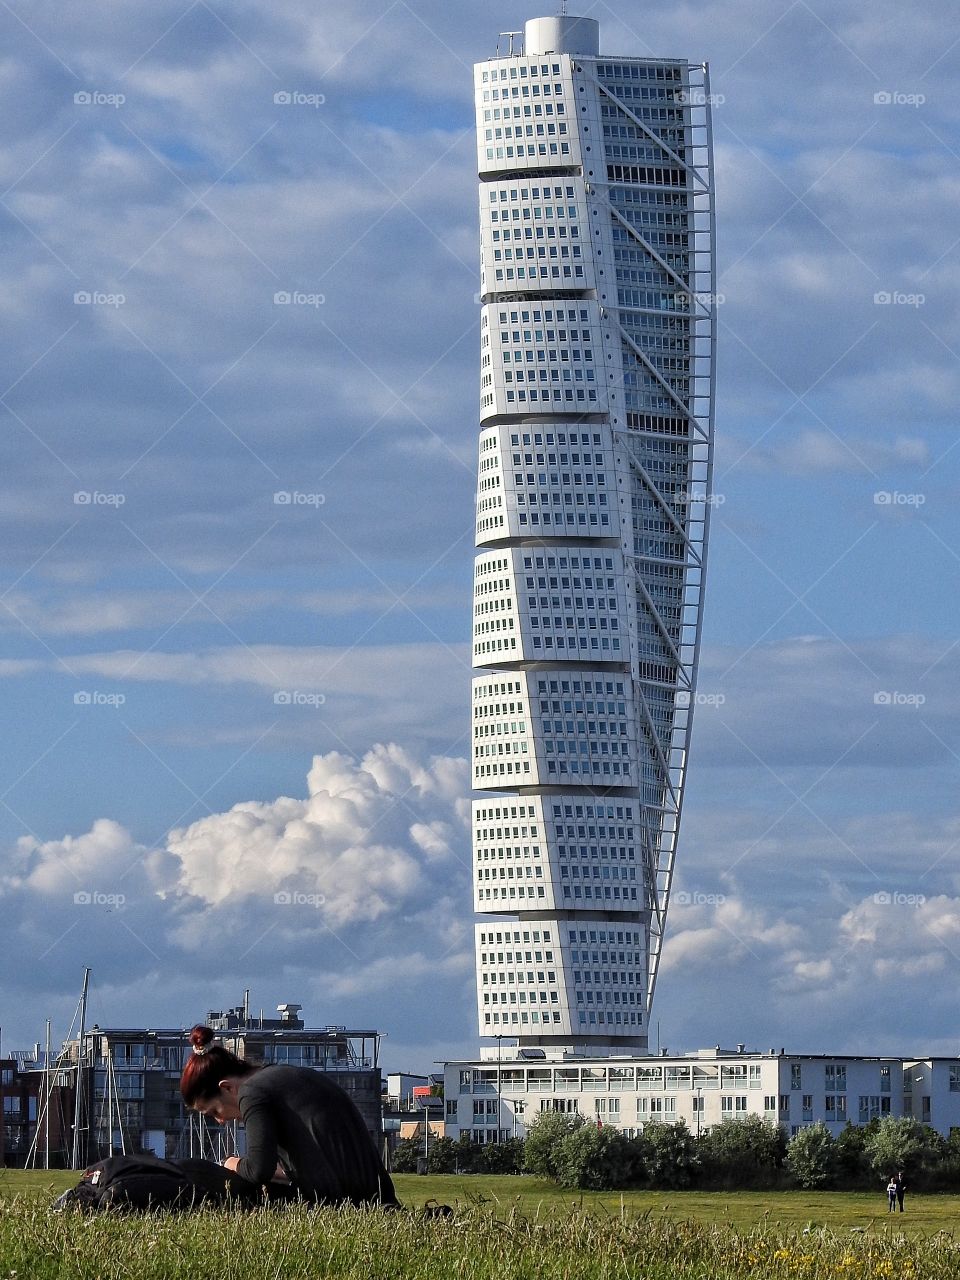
(497, 1099)
(597, 342)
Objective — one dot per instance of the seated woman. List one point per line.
(293, 1115)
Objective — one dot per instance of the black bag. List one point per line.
(144, 1182)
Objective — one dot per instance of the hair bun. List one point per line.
(201, 1036)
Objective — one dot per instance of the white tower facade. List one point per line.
(596, 412)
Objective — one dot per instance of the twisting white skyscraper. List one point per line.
(596, 409)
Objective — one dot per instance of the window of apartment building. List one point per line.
(607, 1108)
(172, 1058)
(755, 1075)
(869, 1107)
(733, 1102)
(785, 1103)
(795, 1075)
(770, 1102)
(451, 1108)
(807, 1106)
(835, 1107)
(7, 1076)
(698, 1105)
(835, 1077)
(466, 1079)
(955, 1079)
(884, 1079)
(11, 1106)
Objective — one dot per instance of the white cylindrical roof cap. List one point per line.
(561, 35)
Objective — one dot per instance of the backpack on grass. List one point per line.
(144, 1182)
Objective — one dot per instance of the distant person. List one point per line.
(901, 1189)
(301, 1127)
(892, 1194)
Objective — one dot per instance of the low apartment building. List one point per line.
(499, 1095)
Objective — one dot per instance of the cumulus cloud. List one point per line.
(357, 842)
(356, 885)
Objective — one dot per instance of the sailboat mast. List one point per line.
(75, 1155)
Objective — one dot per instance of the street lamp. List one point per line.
(426, 1126)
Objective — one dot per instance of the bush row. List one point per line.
(740, 1153)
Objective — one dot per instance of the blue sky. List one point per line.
(213, 697)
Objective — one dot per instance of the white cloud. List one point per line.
(357, 841)
(99, 858)
(813, 450)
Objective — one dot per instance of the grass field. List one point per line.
(505, 1229)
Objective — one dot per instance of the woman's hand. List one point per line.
(231, 1163)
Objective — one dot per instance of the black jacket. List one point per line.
(307, 1122)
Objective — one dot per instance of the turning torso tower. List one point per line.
(596, 413)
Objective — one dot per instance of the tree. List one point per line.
(745, 1152)
(442, 1156)
(900, 1142)
(591, 1159)
(500, 1157)
(544, 1138)
(851, 1161)
(403, 1158)
(469, 1153)
(666, 1154)
(812, 1157)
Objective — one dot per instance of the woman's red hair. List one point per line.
(207, 1065)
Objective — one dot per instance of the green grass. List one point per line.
(743, 1210)
(505, 1229)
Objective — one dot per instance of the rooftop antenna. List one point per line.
(513, 50)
